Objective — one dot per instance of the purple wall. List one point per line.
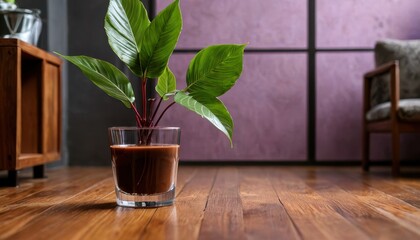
(262, 24)
(269, 102)
(268, 106)
(339, 104)
(359, 23)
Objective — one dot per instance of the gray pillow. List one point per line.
(408, 54)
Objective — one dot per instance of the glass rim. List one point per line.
(144, 128)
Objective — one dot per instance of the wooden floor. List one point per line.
(270, 202)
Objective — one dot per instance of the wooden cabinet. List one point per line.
(30, 107)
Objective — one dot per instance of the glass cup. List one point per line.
(145, 165)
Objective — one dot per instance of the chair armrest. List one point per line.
(383, 69)
(391, 68)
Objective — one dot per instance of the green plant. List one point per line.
(145, 47)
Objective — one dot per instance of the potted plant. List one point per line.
(145, 157)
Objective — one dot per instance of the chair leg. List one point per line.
(395, 151)
(365, 150)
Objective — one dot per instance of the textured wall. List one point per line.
(266, 24)
(359, 23)
(268, 106)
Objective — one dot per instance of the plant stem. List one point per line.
(138, 117)
(170, 105)
(151, 102)
(155, 111)
(144, 99)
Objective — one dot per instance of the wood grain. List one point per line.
(330, 184)
(219, 202)
(9, 106)
(183, 220)
(30, 101)
(314, 216)
(264, 215)
(31, 106)
(223, 216)
(51, 108)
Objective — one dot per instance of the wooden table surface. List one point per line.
(219, 202)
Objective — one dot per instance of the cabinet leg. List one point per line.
(12, 178)
(39, 171)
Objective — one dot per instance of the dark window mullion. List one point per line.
(311, 88)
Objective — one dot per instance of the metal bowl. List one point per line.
(24, 24)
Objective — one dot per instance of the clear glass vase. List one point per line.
(145, 165)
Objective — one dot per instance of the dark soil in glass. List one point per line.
(145, 169)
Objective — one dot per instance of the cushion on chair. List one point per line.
(408, 54)
(408, 110)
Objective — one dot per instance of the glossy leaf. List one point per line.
(166, 84)
(215, 69)
(160, 40)
(125, 24)
(210, 108)
(106, 76)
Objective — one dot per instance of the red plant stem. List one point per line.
(138, 117)
(170, 105)
(151, 102)
(144, 99)
(155, 111)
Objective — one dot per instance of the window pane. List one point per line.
(262, 24)
(359, 23)
(268, 106)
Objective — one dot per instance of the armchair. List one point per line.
(391, 96)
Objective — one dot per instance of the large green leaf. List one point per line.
(166, 84)
(210, 108)
(125, 24)
(107, 77)
(215, 69)
(160, 40)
